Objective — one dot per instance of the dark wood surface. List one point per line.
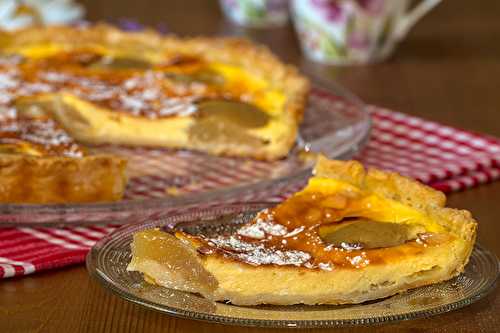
(448, 70)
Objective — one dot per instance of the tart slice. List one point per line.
(349, 236)
(40, 163)
(217, 95)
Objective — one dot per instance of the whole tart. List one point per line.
(349, 236)
(100, 85)
(222, 96)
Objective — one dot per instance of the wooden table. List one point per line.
(447, 70)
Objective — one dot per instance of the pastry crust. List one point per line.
(40, 163)
(257, 62)
(437, 255)
(28, 179)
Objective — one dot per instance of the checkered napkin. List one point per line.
(446, 158)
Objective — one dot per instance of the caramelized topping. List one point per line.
(125, 84)
(316, 230)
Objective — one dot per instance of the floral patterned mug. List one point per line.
(345, 32)
(256, 13)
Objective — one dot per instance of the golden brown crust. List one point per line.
(27, 179)
(388, 184)
(100, 35)
(155, 48)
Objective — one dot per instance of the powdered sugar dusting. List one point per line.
(257, 253)
(42, 132)
(262, 226)
(245, 245)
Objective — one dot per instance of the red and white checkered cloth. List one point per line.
(446, 158)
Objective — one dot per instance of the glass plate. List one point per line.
(108, 259)
(335, 123)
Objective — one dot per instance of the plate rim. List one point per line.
(107, 283)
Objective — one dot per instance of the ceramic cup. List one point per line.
(256, 13)
(346, 32)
